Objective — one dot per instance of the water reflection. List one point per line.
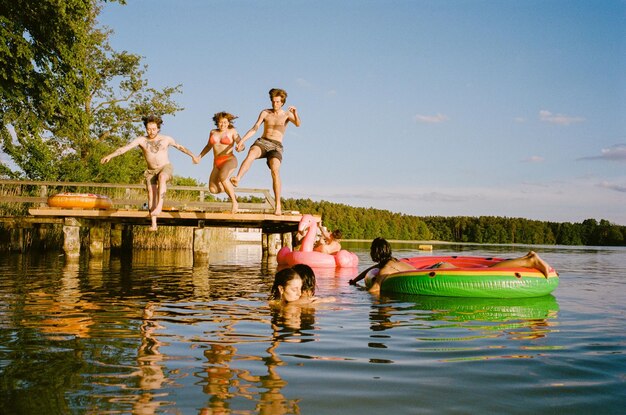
(229, 376)
(151, 374)
(63, 313)
(467, 324)
(154, 333)
(289, 324)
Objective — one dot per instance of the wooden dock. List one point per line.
(112, 228)
(269, 223)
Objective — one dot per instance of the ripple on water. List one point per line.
(157, 334)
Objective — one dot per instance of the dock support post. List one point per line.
(117, 230)
(127, 238)
(17, 241)
(99, 234)
(201, 244)
(274, 243)
(71, 238)
(264, 247)
(287, 240)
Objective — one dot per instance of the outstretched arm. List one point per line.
(206, 148)
(252, 131)
(325, 233)
(182, 148)
(121, 150)
(362, 275)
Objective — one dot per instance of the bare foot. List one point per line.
(234, 181)
(278, 211)
(235, 207)
(539, 263)
(153, 228)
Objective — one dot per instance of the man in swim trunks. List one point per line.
(152, 175)
(155, 150)
(270, 145)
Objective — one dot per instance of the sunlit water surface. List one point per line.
(153, 334)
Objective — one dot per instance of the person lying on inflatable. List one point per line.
(386, 264)
(329, 241)
(309, 255)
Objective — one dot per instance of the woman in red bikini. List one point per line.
(222, 140)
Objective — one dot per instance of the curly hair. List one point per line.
(277, 92)
(219, 115)
(152, 118)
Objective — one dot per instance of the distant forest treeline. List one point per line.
(368, 223)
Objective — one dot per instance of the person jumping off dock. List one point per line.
(270, 144)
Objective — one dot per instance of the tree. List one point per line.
(67, 97)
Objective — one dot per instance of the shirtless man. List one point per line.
(155, 151)
(270, 145)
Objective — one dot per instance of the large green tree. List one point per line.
(67, 98)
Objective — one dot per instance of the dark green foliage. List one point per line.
(67, 98)
(368, 223)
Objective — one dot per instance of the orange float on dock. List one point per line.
(80, 201)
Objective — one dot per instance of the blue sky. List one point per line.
(500, 108)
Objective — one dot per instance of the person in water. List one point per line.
(270, 144)
(287, 287)
(329, 241)
(160, 171)
(296, 286)
(380, 252)
(307, 275)
(222, 141)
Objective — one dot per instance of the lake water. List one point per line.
(153, 334)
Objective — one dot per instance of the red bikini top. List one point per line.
(225, 139)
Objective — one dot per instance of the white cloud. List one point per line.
(431, 119)
(572, 200)
(613, 186)
(533, 159)
(613, 153)
(560, 119)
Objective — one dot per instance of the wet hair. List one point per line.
(308, 277)
(337, 234)
(281, 279)
(219, 115)
(380, 251)
(277, 92)
(152, 118)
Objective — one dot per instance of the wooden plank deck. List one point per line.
(269, 223)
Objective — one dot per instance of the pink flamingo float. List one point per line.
(306, 254)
